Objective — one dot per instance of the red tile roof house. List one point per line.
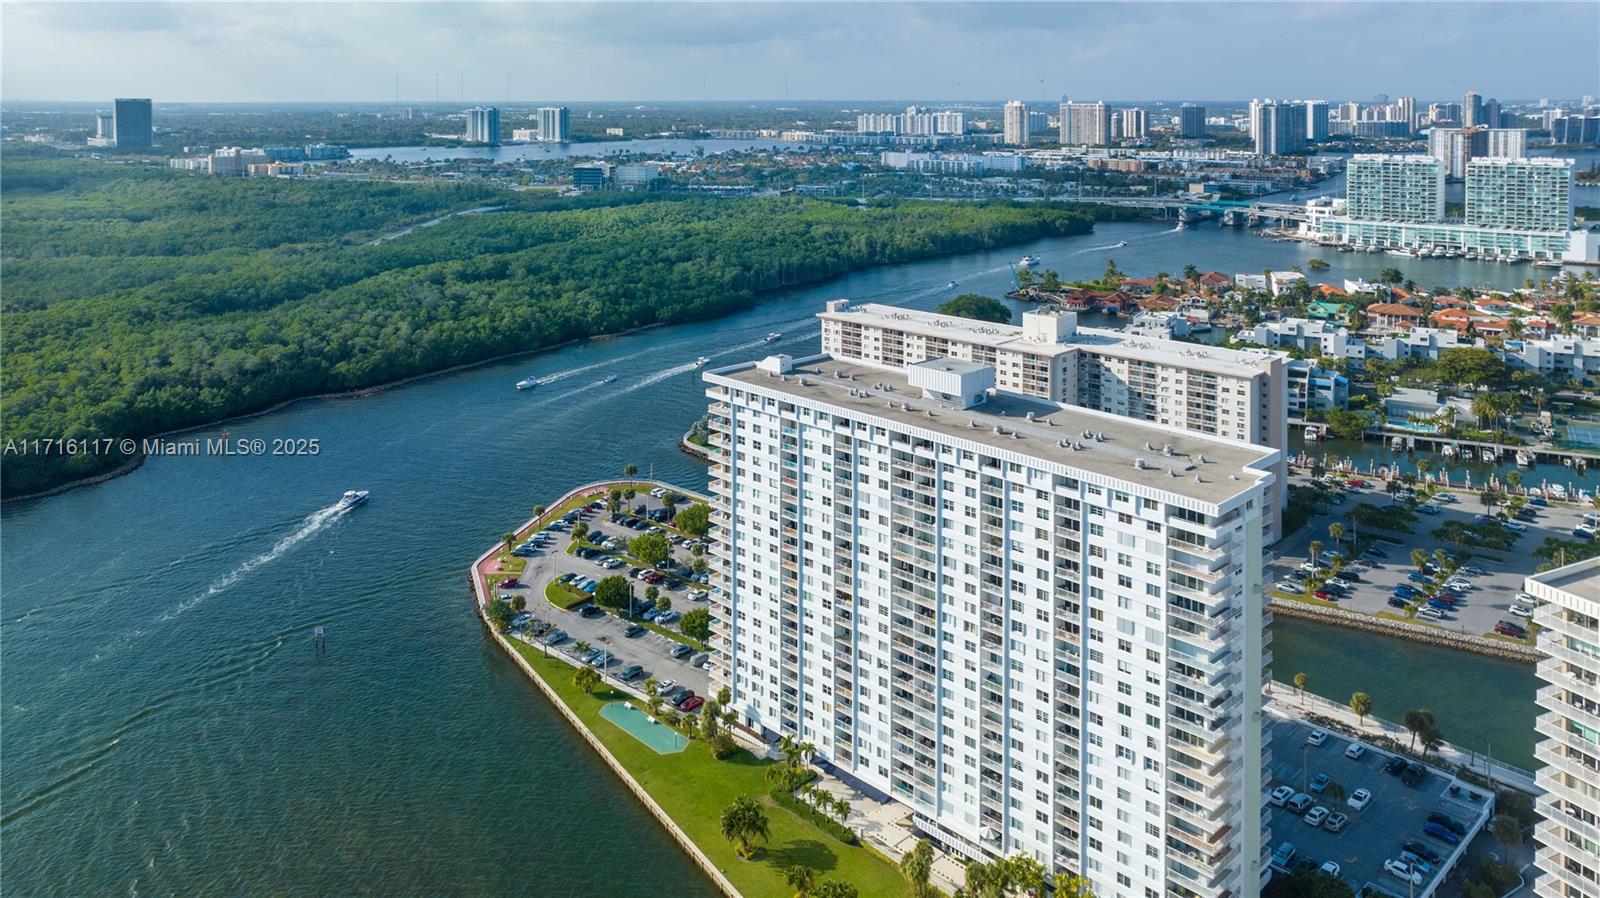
(1392, 315)
(1215, 279)
(1330, 290)
(1586, 325)
(1456, 319)
(1138, 285)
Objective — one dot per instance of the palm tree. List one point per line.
(916, 866)
(833, 888)
(1300, 680)
(630, 471)
(1507, 830)
(1361, 706)
(1336, 530)
(1191, 274)
(800, 879)
(1316, 551)
(1514, 479)
(538, 511)
(841, 807)
(1025, 874)
(744, 824)
(508, 539)
(581, 647)
(587, 679)
(1419, 559)
(1416, 721)
(1423, 466)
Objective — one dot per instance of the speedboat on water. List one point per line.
(1028, 261)
(608, 378)
(351, 499)
(701, 361)
(1119, 244)
(527, 383)
(772, 337)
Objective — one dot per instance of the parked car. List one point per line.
(555, 637)
(1335, 822)
(1514, 526)
(1299, 804)
(700, 660)
(1283, 854)
(1280, 795)
(630, 672)
(1397, 602)
(1448, 822)
(1413, 775)
(1315, 816)
(691, 703)
(633, 631)
(1319, 783)
(1418, 577)
(1354, 751)
(1430, 613)
(1395, 766)
(1359, 799)
(1416, 862)
(591, 612)
(1428, 509)
(1326, 595)
(1441, 833)
(1317, 738)
(1522, 611)
(1507, 628)
(1458, 583)
(1402, 870)
(1421, 850)
(1331, 868)
(679, 650)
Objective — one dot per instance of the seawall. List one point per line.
(1507, 651)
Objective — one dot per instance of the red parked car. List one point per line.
(1326, 596)
(510, 583)
(690, 703)
(1356, 484)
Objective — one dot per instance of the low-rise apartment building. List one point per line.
(1314, 389)
(1237, 394)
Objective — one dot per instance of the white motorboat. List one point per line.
(1466, 453)
(772, 337)
(527, 383)
(1449, 451)
(608, 379)
(1027, 261)
(1524, 458)
(701, 361)
(950, 286)
(1313, 434)
(351, 499)
(1119, 244)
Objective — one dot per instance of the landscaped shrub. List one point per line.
(828, 825)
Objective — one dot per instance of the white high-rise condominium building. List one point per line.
(554, 124)
(1135, 123)
(1457, 147)
(1236, 394)
(1316, 119)
(1507, 143)
(1277, 128)
(1406, 111)
(1382, 187)
(915, 120)
(1520, 194)
(1038, 627)
(483, 125)
(1568, 839)
(1016, 123)
(1085, 123)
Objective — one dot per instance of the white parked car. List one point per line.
(1359, 799)
(1522, 611)
(1330, 868)
(1458, 583)
(1280, 795)
(1514, 526)
(1354, 751)
(1308, 567)
(1317, 737)
(1316, 815)
(1402, 870)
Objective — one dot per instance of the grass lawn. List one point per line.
(1404, 618)
(512, 564)
(694, 789)
(563, 596)
(1303, 599)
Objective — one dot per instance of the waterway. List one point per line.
(171, 726)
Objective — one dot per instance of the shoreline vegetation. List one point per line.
(687, 791)
(140, 302)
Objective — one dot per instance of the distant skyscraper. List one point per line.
(1135, 124)
(1191, 121)
(554, 124)
(1406, 107)
(1456, 147)
(131, 123)
(1507, 143)
(1277, 128)
(1086, 123)
(1471, 109)
(483, 125)
(1350, 111)
(1016, 123)
(1491, 113)
(1316, 120)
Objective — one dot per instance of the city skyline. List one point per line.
(780, 51)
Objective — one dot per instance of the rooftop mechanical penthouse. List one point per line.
(1038, 626)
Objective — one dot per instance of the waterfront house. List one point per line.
(1392, 316)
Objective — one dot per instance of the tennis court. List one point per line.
(1585, 435)
(643, 727)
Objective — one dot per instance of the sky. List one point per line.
(675, 51)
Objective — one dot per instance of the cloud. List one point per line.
(690, 51)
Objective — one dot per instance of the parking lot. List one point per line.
(1492, 593)
(650, 650)
(1396, 814)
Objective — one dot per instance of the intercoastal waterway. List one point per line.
(172, 726)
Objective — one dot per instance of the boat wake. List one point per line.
(660, 376)
(570, 372)
(313, 524)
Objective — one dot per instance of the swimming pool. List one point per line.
(643, 727)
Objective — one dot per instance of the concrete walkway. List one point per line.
(886, 827)
(1283, 699)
